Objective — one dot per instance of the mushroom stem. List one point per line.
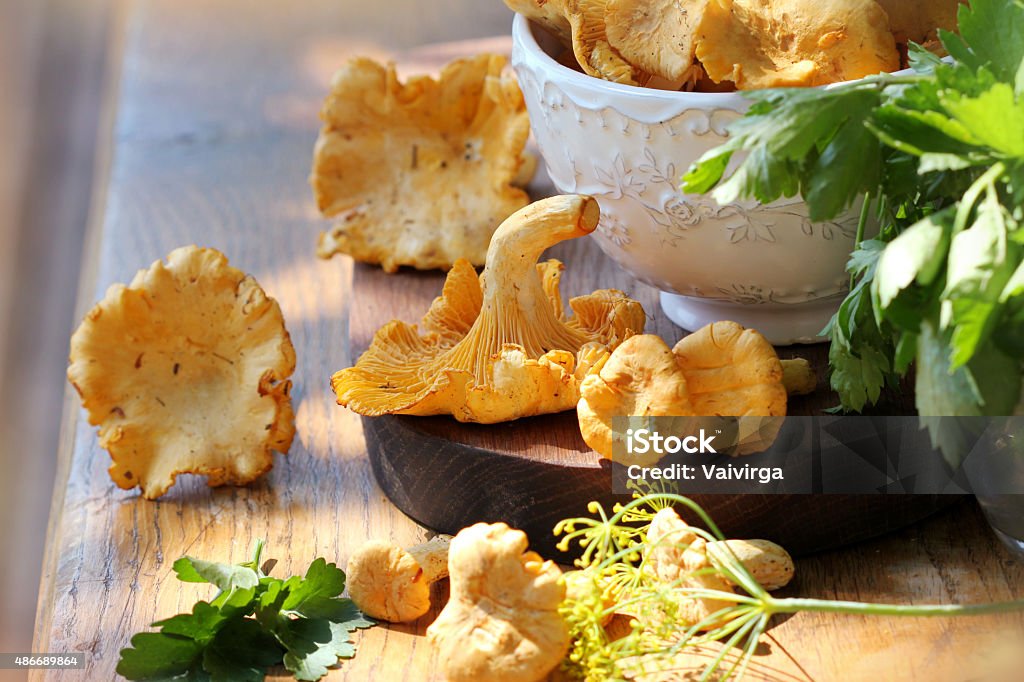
(432, 556)
(798, 377)
(515, 305)
(769, 563)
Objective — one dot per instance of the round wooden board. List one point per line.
(533, 472)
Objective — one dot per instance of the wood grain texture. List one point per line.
(53, 68)
(212, 145)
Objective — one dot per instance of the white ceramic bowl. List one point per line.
(765, 266)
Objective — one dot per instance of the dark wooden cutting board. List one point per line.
(532, 472)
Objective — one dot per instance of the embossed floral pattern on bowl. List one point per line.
(629, 147)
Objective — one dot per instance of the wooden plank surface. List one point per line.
(53, 67)
(212, 145)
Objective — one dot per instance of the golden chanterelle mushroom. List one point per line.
(496, 347)
(185, 370)
(419, 173)
(788, 43)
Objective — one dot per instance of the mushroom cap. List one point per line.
(185, 371)
(419, 173)
(785, 43)
(734, 373)
(501, 622)
(553, 15)
(641, 378)
(770, 564)
(386, 583)
(657, 36)
(919, 20)
(677, 555)
(496, 347)
(731, 372)
(668, 537)
(581, 25)
(593, 50)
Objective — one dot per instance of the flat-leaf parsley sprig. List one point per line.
(938, 155)
(254, 623)
(614, 550)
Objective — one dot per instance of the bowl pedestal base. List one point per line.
(782, 325)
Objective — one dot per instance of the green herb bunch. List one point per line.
(254, 623)
(614, 555)
(938, 157)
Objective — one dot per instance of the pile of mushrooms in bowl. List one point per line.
(766, 266)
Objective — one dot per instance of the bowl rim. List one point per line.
(523, 35)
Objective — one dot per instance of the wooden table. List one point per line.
(215, 122)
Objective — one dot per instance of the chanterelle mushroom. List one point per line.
(553, 15)
(641, 378)
(784, 43)
(496, 347)
(678, 556)
(721, 370)
(419, 173)
(731, 371)
(501, 623)
(393, 584)
(581, 24)
(185, 370)
(919, 20)
(658, 36)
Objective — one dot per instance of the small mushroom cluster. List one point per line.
(722, 371)
(743, 44)
(501, 622)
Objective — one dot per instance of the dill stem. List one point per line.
(796, 605)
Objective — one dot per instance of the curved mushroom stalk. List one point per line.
(499, 346)
(515, 303)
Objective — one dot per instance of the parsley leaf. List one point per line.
(159, 656)
(255, 623)
(314, 645)
(995, 118)
(990, 36)
(322, 581)
(941, 153)
(224, 576)
(241, 651)
(916, 257)
(981, 262)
